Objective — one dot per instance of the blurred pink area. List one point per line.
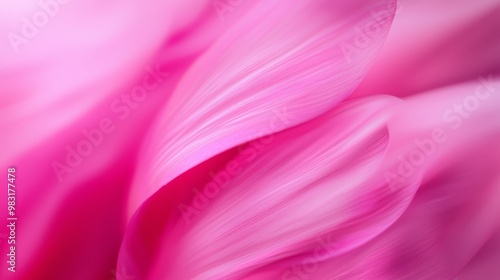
(232, 139)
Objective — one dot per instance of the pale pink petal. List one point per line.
(71, 77)
(84, 54)
(455, 211)
(484, 265)
(436, 43)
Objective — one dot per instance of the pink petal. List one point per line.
(67, 79)
(436, 43)
(343, 150)
(293, 59)
(455, 211)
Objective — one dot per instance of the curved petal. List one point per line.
(450, 42)
(58, 73)
(67, 100)
(295, 59)
(222, 233)
(456, 209)
(485, 262)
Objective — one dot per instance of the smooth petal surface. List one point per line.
(232, 139)
(436, 43)
(232, 235)
(54, 100)
(294, 59)
(455, 211)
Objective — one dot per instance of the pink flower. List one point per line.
(231, 139)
